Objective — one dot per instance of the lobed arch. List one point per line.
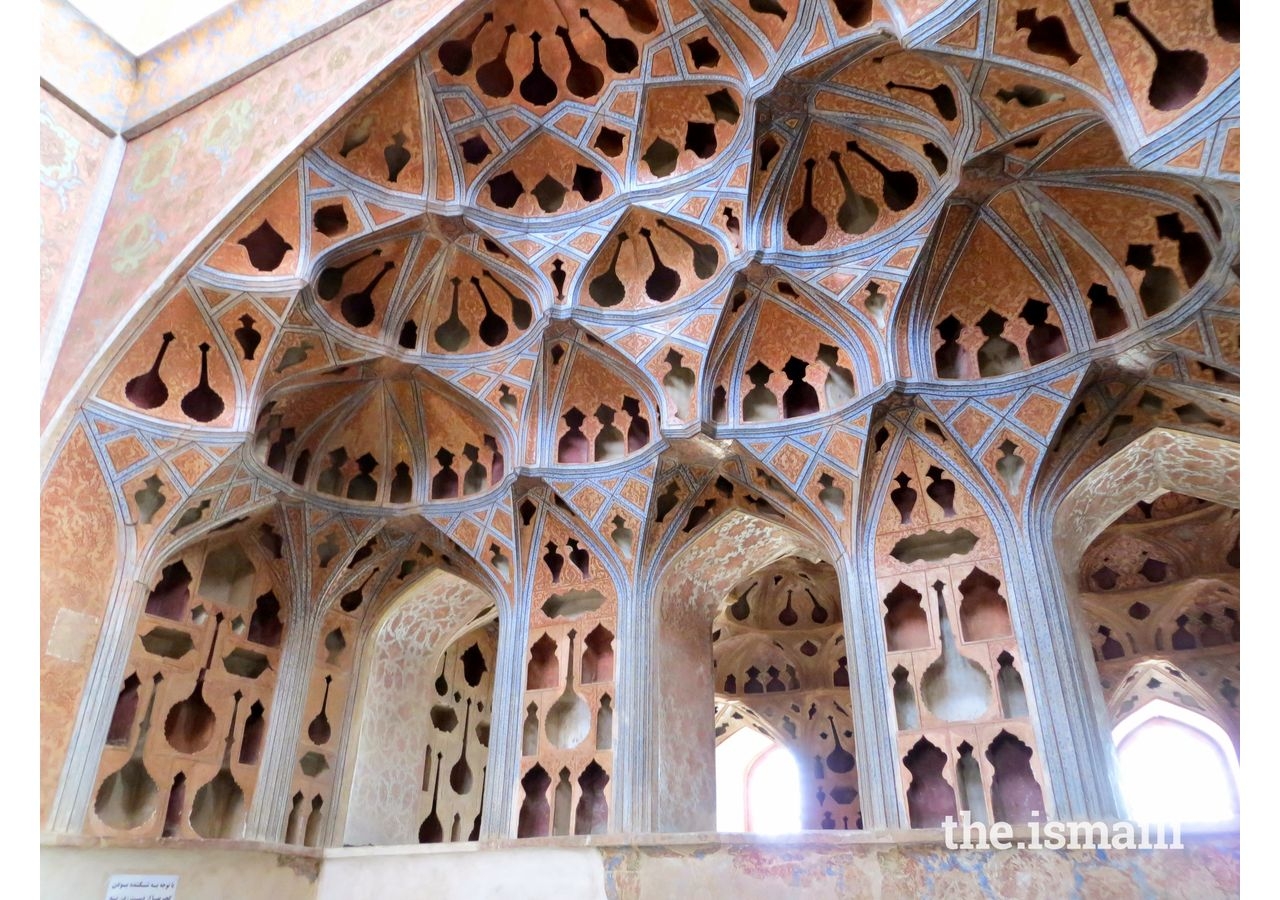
(411, 437)
(1076, 511)
(1160, 460)
(399, 655)
(842, 359)
(1187, 723)
(691, 587)
(572, 368)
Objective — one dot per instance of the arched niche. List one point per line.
(693, 588)
(409, 751)
(957, 671)
(779, 656)
(198, 686)
(1158, 462)
(566, 765)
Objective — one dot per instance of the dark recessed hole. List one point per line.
(538, 87)
(331, 220)
(265, 626)
(535, 810)
(334, 644)
(1154, 570)
(936, 157)
(1047, 36)
(167, 642)
(930, 799)
(1045, 340)
(698, 514)
(505, 189)
(621, 54)
(769, 149)
(494, 77)
(549, 193)
(984, 614)
(700, 137)
(609, 142)
(760, 404)
(357, 307)
(444, 484)
(1160, 288)
(408, 335)
(663, 281)
(1027, 96)
(1192, 414)
(723, 106)
(455, 55)
(1105, 578)
(597, 656)
(947, 357)
(661, 157)
(266, 247)
(906, 626)
(584, 79)
(169, 597)
(255, 729)
(941, 491)
(1015, 793)
(473, 665)
(365, 551)
(904, 700)
(800, 398)
(1179, 74)
(364, 486)
(443, 718)
(313, 763)
(941, 96)
(997, 355)
(300, 467)
(588, 183)
(246, 663)
(1104, 312)
(475, 149)
(544, 665)
(202, 403)
(1193, 253)
(126, 709)
(807, 225)
(703, 53)
(934, 545)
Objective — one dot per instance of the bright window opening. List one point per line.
(1176, 766)
(757, 785)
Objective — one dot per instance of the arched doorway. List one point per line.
(779, 657)
(422, 756)
(1176, 765)
(1159, 593)
(757, 784)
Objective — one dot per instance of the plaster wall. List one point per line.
(204, 873)
(801, 866)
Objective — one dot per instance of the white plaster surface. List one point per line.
(206, 873)
(536, 872)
